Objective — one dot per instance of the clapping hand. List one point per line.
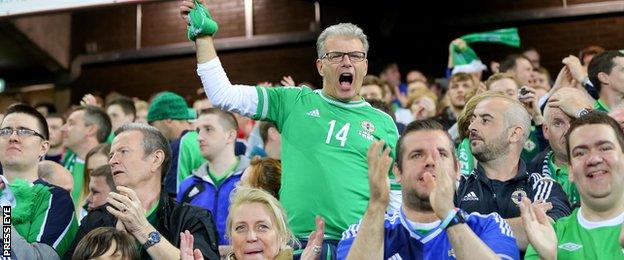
(441, 197)
(378, 166)
(186, 247)
(539, 230)
(313, 249)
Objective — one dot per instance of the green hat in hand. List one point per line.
(466, 60)
(201, 23)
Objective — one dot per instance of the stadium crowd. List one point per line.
(509, 166)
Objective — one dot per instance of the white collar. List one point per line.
(587, 224)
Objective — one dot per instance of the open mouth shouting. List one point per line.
(346, 81)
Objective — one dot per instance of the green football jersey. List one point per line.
(560, 174)
(324, 147)
(76, 166)
(578, 238)
(531, 146)
(189, 157)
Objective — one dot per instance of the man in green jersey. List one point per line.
(606, 72)
(85, 128)
(604, 75)
(593, 231)
(325, 132)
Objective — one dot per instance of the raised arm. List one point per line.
(201, 28)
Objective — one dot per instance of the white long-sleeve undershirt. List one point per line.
(242, 99)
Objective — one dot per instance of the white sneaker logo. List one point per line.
(570, 246)
(470, 197)
(314, 113)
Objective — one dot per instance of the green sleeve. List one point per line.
(68, 238)
(190, 157)
(274, 104)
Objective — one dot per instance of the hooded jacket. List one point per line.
(199, 190)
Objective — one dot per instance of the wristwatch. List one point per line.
(152, 239)
(457, 219)
(583, 112)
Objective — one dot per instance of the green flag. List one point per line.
(467, 56)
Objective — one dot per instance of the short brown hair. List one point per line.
(266, 174)
(374, 80)
(422, 92)
(602, 62)
(590, 50)
(510, 62)
(461, 76)
(104, 171)
(99, 240)
(227, 119)
(417, 126)
(264, 127)
(499, 76)
(594, 118)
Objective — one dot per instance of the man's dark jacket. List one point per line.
(173, 218)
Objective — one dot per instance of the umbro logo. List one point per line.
(470, 197)
(570, 246)
(314, 113)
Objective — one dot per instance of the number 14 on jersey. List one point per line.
(341, 135)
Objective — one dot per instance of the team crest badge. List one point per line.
(368, 126)
(529, 145)
(367, 130)
(517, 196)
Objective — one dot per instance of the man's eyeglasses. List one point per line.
(21, 132)
(336, 56)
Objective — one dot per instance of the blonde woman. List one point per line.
(257, 229)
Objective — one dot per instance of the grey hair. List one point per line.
(153, 140)
(96, 116)
(517, 114)
(342, 29)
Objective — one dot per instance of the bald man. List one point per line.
(499, 127)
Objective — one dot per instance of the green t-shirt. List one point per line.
(601, 106)
(324, 148)
(530, 148)
(151, 215)
(466, 159)
(578, 238)
(76, 166)
(217, 179)
(189, 157)
(560, 174)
